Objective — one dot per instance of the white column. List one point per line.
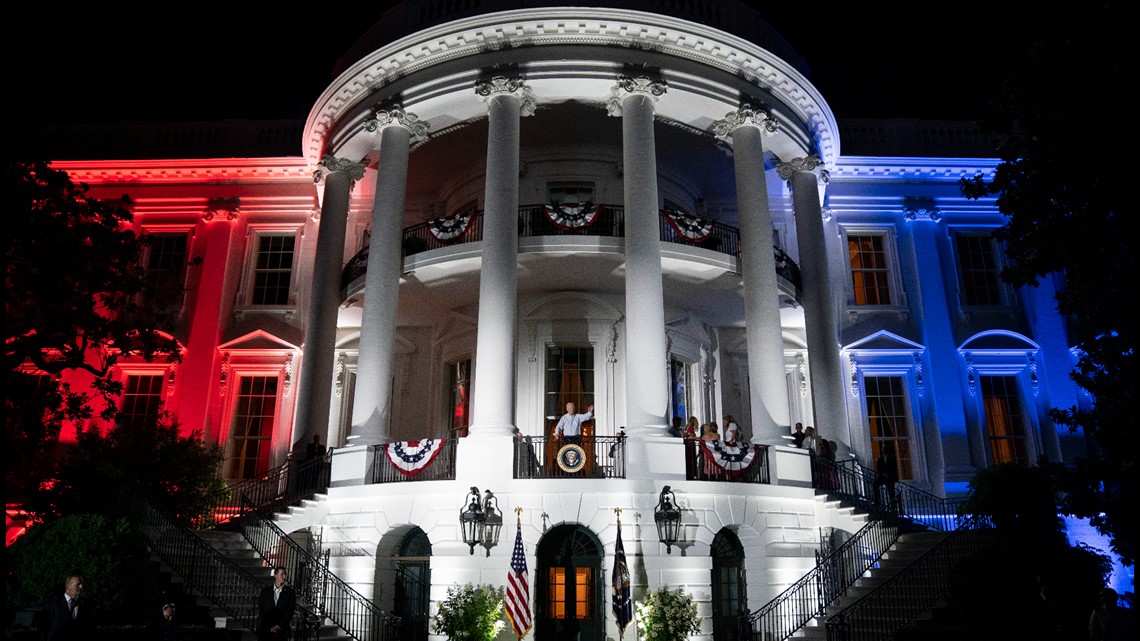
(821, 321)
(493, 401)
(314, 385)
(767, 384)
(646, 366)
(372, 403)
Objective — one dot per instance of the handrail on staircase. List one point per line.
(334, 599)
(909, 509)
(901, 599)
(286, 484)
(205, 570)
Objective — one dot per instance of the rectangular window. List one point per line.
(888, 420)
(570, 601)
(870, 284)
(459, 398)
(142, 400)
(569, 192)
(165, 269)
(272, 270)
(681, 394)
(1005, 422)
(569, 379)
(978, 264)
(253, 423)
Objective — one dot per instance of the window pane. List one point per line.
(888, 420)
(165, 269)
(569, 379)
(978, 263)
(142, 400)
(273, 270)
(252, 432)
(557, 593)
(459, 398)
(869, 274)
(1005, 423)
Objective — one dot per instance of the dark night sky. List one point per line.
(210, 60)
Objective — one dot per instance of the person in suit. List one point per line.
(276, 606)
(67, 617)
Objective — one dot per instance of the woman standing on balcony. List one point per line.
(731, 430)
(692, 429)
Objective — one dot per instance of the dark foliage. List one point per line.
(1070, 218)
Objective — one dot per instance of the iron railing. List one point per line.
(283, 485)
(700, 467)
(226, 585)
(902, 598)
(441, 468)
(533, 221)
(722, 238)
(538, 457)
(911, 509)
(332, 598)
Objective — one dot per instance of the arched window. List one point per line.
(729, 595)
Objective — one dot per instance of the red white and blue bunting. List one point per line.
(449, 227)
(412, 457)
(690, 228)
(733, 459)
(570, 216)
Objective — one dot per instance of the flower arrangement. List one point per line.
(667, 615)
(470, 613)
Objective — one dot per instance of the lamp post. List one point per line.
(668, 519)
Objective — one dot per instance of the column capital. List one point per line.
(811, 163)
(397, 117)
(628, 85)
(513, 86)
(745, 116)
(331, 164)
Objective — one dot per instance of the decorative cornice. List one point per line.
(222, 209)
(331, 164)
(194, 171)
(513, 86)
(397, 117)
(931, 214)
(628, 86)
(745, 116)
(883, 168)
(811, 163)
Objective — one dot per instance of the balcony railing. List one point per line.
(440, 466)
(283, 485)
(702, 465)
(542, 457)
(534, 222)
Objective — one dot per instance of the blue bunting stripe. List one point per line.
(733, 459)
(412, 457)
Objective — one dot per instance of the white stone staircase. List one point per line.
(905, 551)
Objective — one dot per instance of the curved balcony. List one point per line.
(534, 221)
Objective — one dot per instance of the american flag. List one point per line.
(518, 590)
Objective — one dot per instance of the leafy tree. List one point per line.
(472, 613)
(1073, 219)
(180, 472)
(73, 303)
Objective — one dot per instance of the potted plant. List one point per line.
(667, 615)
(470, 613)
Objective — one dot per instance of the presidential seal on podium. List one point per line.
(571, 458)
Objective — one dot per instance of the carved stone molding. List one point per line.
(513, 86)
(1034, 381)
(222, 209)
(397, 117)
(224, 374)
(854, 367)
(626, 85)
(801, 375)
(287, 385)
(918, 382)
(330, 164)
(338, 379)
(971, 377)
(612, 348)
(745, 116)
(171, 375)
(929, 214)
(811, 163)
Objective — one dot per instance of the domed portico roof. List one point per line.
(571, 54)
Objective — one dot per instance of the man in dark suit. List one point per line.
(67, 617)
(276, 606)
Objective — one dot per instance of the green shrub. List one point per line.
(470, 613)
(667, 615)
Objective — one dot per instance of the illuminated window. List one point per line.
(142, 400)
(252, 429)
(165, 269)
(888, 420)
(870, 274)
(459, 398)
(1005, 422)
(569, 379)
(979, 270)
(681, 389)
(571, 600)
(272, 269)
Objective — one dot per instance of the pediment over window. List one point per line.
(571, 305)
(883, 341)
(258, 341)
(998, 340)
